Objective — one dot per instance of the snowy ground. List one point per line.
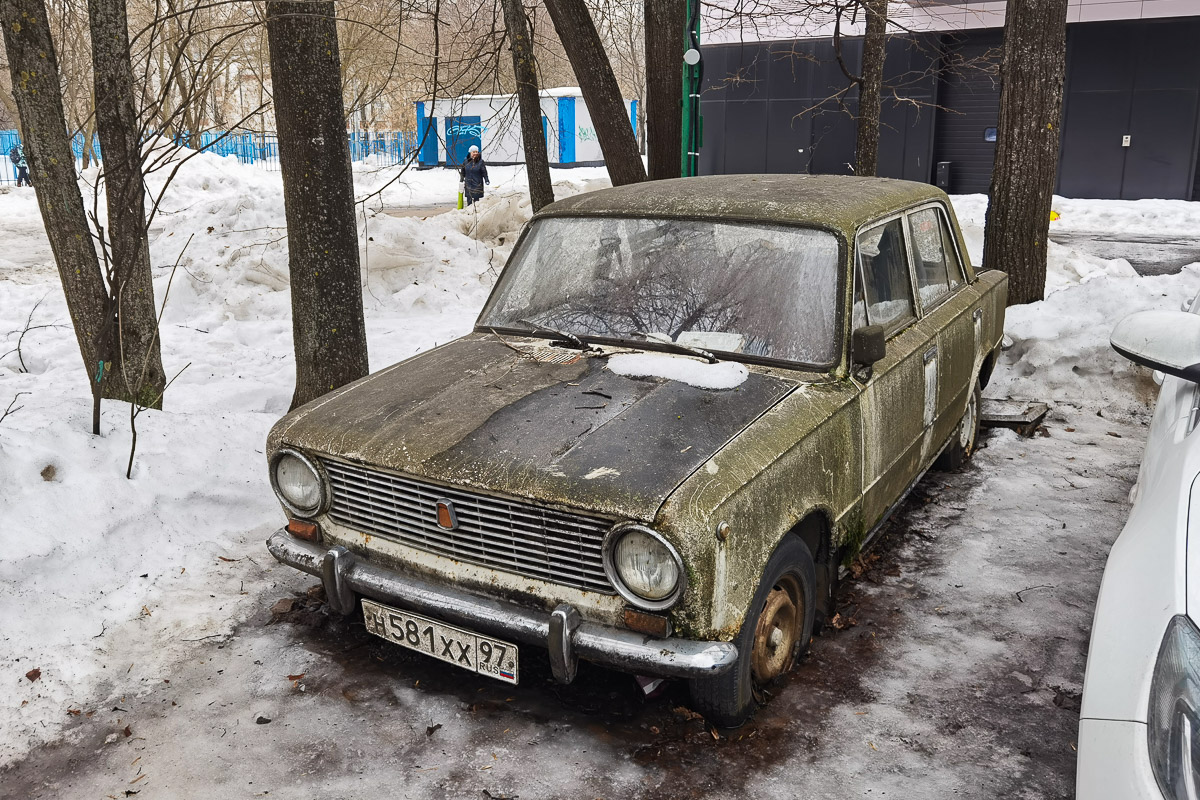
(145, 603)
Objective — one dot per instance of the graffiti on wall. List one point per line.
(466, 130)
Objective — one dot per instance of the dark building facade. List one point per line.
(776, 107)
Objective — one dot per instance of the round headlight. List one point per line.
(298, 483)
(643, 567)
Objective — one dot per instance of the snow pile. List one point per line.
(1061, 353)
(106, 581)
(1129, 218)
(1067, 266)
(722, 375)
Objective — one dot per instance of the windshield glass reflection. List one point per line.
(761, 290)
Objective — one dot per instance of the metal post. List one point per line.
(693, 74)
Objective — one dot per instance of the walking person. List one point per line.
(474, 175)
(17, 156)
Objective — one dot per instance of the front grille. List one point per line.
(507, 535)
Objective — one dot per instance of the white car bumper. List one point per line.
(1114, 763)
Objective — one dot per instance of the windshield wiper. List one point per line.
(564, 338)
(668, 342)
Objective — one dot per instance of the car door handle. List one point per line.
(930, 354)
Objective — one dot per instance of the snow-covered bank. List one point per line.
(106, 580)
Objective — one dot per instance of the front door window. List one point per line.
(883, 265)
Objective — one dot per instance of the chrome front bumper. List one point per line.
(561, 632)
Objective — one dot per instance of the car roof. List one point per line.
(841, 202)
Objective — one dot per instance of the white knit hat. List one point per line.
(473, 149)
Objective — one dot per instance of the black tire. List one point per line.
(728, 700)
(962, 443)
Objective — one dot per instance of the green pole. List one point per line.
(693, 71)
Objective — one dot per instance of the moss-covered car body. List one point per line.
(723, 475)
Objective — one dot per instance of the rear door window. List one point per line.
(883, 269)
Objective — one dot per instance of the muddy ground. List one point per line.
(956, 673)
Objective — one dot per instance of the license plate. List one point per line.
(462, 648)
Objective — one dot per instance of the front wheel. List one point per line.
(777, 630)
(962, 445)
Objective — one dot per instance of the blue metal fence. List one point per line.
(8, 172)
(260, 148)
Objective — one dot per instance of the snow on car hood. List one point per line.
(478, 413)
(722, 375)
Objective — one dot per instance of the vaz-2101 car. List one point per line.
(684, 406)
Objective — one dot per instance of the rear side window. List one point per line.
(883, 269)
(935, 261)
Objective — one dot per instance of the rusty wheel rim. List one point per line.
(775, 636)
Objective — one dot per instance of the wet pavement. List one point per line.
(956, 672)
(1149, 255)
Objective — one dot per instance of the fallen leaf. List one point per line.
(295, 677)
(33, 674)
(284, 606)
(74, 712)
(228, 560)
(261, 721)
(873, 747)
(128, 731)
(429, 731)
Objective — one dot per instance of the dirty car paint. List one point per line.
(477, 414)
(786, 448)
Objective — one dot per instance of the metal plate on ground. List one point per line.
(1022, 416)
(462, 648)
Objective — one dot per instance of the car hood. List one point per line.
(504, 417)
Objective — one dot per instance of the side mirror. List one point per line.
(1167, 341)
(868, 345)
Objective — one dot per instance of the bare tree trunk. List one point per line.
(665, 23)
(34, 69)
(537, 163)
(89, 140)
(135, 348)
(870, 88)
(328, 330)
(1031, 91)
(594, 72)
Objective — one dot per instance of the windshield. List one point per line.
(760, 290)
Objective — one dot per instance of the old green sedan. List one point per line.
(686, 405)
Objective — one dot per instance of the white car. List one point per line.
(1139, 726)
